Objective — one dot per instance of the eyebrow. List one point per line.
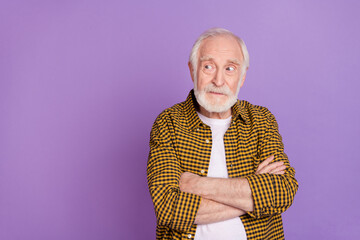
(235, 61)
(206, 58)
(209, 58)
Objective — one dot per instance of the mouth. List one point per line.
(216, 93)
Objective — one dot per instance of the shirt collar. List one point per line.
(191, 106)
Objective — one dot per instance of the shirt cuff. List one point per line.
(262, 193)
(185, 211)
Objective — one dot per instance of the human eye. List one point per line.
(230, 68)
(208, 67)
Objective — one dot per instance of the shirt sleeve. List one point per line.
(173, 208)
(272, 193)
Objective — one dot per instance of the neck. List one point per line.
(221, 115)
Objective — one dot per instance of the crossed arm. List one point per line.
(224, 198)
(182, 199)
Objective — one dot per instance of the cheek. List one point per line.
(203, 80)
(233, 84)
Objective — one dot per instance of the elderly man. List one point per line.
(217, 167)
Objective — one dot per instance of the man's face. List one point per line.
(218, 73)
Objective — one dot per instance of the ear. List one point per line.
(243, 79)
(191, 71)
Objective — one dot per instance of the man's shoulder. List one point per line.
(255, 113)
(176, 113)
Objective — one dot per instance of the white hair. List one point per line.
(214, 32)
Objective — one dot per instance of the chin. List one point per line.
(215, 105)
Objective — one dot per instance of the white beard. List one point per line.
(216, 106)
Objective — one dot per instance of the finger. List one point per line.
(279, 168)
(265, 162)
(271, 167)
(279, 173)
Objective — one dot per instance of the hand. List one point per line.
(273, 168)
(188, 181)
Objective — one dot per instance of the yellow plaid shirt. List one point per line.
(181, 142)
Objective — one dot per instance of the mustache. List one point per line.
(222, 90)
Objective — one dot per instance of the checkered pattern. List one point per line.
(180, 142)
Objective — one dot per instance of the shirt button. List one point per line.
(230, 165)
(202, 171)
(207, 141)
(189, 236)
(197, 129)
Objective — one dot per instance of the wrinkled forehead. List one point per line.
(211, 58)
(224, 47)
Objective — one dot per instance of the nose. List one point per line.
(218, 79)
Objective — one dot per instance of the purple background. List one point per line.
(81, 83)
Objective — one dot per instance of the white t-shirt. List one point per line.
(233, 228)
